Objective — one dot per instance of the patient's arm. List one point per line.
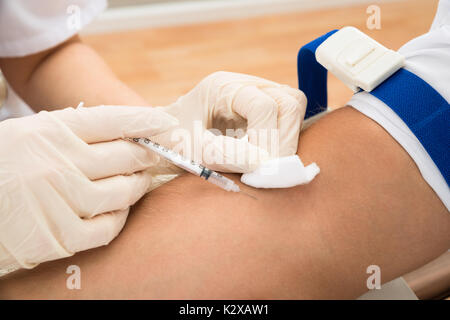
(64, 75)
(187, 239)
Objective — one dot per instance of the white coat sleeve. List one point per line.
(29, 26)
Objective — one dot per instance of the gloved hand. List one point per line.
(67, 180)
(236, 101)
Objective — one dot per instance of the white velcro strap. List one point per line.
(358, 60)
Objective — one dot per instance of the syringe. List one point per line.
(188, 165)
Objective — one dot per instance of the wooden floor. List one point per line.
(162, 64)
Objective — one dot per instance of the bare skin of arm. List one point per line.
(187, 239)
(65, 75)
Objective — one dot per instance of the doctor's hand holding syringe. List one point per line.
(71, 172)
(68, 177)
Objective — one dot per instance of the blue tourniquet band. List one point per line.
(312, 76)
(422, 108)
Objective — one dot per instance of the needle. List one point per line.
(248, 194)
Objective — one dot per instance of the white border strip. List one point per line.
(191, 12)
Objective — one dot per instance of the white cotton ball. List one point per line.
(283, 172)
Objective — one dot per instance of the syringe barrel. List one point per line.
(171, 156)
(189, 165)
(221, 181)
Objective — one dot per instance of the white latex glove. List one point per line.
(227, 100)
(67, 180)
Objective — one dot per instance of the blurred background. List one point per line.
(162, 48)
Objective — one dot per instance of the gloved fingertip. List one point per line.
(141, 185)
(113, 224)
(171, 120)
(160, 121)
(227, 154)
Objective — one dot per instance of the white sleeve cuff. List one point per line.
(394, 125)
